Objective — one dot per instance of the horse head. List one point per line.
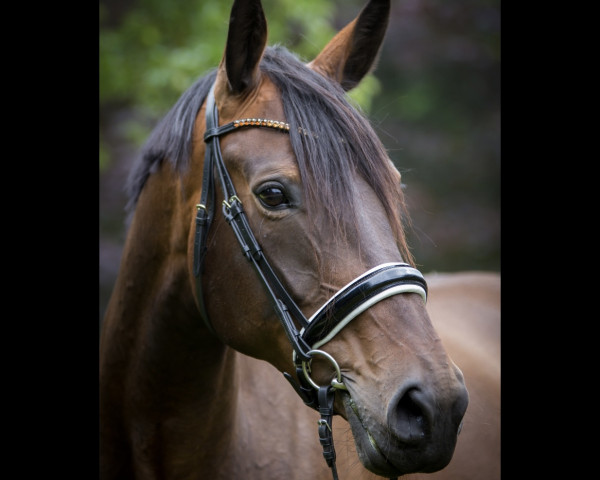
(324, 203)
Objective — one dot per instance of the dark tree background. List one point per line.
(434, 100)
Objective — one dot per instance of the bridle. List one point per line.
(371, 287)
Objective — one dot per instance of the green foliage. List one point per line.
(303, 27)
(158, 49)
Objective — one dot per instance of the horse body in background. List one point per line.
(198, 331)
(465, 310)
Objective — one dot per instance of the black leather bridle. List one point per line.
(366, 290)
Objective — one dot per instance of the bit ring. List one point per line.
(335, 383)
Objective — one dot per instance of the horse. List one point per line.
(286, 333)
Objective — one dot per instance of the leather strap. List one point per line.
(284, 306)
(326, 397)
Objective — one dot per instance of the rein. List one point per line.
(371, 287)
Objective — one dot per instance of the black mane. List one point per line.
(330, 138)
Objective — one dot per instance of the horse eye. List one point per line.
(273, 196)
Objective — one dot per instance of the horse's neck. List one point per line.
(152, 310)
(167, 384)
(168, 390)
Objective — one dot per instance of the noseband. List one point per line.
(371, 287)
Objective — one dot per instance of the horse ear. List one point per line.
(352, 53)
(246, 42)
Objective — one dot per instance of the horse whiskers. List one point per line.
(329, 288)
(352, 404)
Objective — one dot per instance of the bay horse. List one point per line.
(241, 341)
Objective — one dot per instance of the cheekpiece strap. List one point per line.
(288, 312)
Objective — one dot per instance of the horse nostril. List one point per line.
(409, 416)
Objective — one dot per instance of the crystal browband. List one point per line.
(262, 122)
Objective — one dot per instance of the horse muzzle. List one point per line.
(417, 433)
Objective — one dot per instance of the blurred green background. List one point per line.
(434, 100)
